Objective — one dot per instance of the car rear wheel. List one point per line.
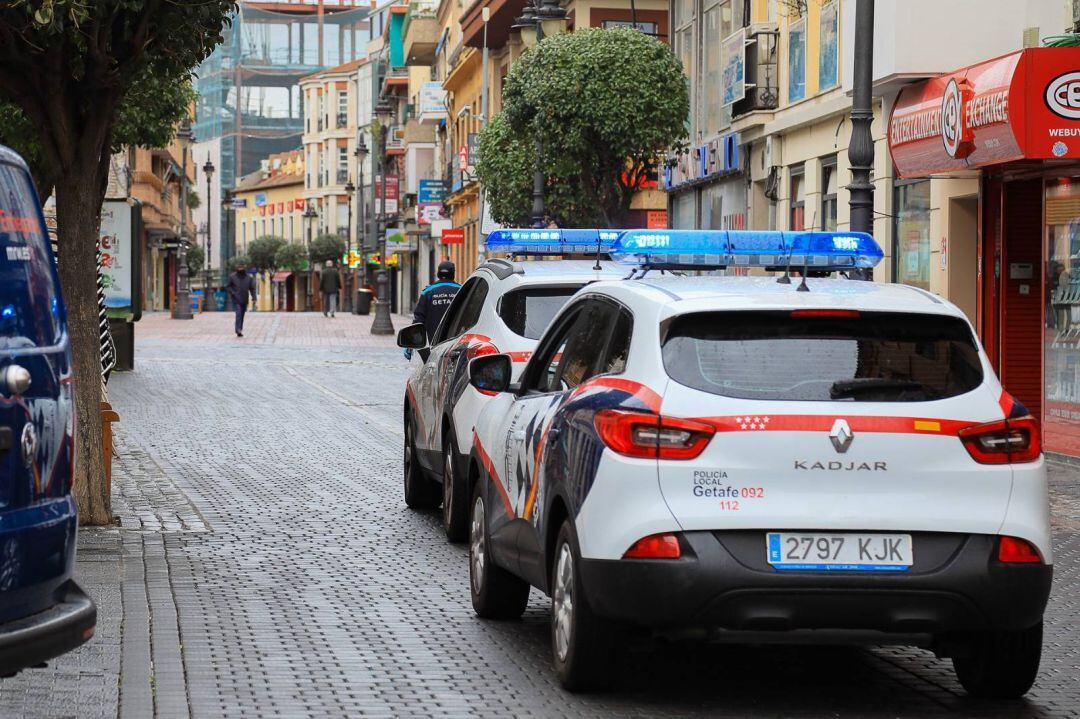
(496, 593)
(581, 642)
(420, 492)
(455, 500)
(1001, 665)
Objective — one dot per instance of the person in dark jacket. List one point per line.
(329, 284)
(435, 300)
(241, 286)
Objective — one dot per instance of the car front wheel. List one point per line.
(1001, 665)
(496, 593)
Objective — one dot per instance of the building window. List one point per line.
(647, 28)
(798, 199)
(1061, 411)
(684, 47)
(684, 210)
(243, 235)
(911, 234)
(343, 165)
(828, 194)
(342, 108)
(829, 53)
(797, 61)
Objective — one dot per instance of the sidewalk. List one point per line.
(282, 329)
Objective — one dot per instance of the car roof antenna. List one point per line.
(599, 242)
(786, 279)
(806, 261)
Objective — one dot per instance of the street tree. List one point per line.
(292, 257)
(70, 66)
(195, 259)
(263, 252)
(604, 105)
(240, 261)
(326, 247)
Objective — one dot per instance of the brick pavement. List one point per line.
(266, 566)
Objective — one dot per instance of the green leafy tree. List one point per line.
(292, 256)
(326, 247)
(240, 261)
(70, 67)
(263, 252)
(196, 259)
(604, 105)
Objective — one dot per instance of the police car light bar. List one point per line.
(552, 242)
(701, 249)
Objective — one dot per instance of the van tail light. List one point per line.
(1013, 550)
(655, 546)
(1007, 441)
(639, 434)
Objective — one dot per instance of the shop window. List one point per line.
(1062, 316)
(829, 52)
(798, 199)
(684, 210)
(828, 194)
(911, 234)
(709, 114)
(797, 61)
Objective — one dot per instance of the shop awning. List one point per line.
(280, 276)
(1020, 106)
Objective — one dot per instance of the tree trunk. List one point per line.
(79, 194)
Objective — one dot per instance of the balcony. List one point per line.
(342, 119)
(342, 176)
(395, 139)
(762, 78)
(421, 33)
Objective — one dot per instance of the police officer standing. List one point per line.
(435, 300)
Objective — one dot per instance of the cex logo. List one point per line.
(1063, 95)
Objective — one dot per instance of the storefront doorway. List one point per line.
(961, 258)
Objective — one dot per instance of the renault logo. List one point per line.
(841, 436)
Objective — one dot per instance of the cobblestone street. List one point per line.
(265, 565)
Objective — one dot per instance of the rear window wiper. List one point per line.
(854, 387)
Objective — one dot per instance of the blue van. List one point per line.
(43, 613)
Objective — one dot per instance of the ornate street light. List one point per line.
(349, 190)
(361, 152)
(382, 325)
(208, 296)
(310, 214)
(181, 307)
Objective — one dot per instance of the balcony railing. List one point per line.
(762, 80)
(343, 119)
(342, 176)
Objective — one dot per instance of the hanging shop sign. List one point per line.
(453, 236)
(733, 61)
(1021, 106)
(392, 186)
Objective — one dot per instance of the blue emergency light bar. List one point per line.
(702, 249)
(556, 241)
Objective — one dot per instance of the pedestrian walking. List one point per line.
(241, 286)
(330, 284)
(435, 300)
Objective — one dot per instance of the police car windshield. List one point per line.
(528, 311)
(823, 355)
(28, 305)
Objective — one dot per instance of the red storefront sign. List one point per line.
(1021, 106)
(453, 236)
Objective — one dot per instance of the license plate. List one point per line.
(839, 552)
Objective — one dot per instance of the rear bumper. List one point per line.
(38, 637)
(724, 584)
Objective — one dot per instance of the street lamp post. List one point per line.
(361, 152)
(310, 214)
(382, 325)
(208, 298)
(861, 145)
(349, 190)
(181, 306)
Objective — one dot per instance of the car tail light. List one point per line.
(1013, 550)
(824, 313)
(655, 546)
(1007, 441)
(638, 434)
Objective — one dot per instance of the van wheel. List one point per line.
(496, 593)
(581, 642)
(420, 492)
(455, 499)
(1001, 665)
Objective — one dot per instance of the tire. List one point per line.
(581, 643)
(420, 492)
(496, 593)
(455, 495)
(1001, 665)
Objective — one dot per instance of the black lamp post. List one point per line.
(208, 295)
(310, 214)
(349, 190)
(861, 145)
(360, 152)
(382, 325)
(181, 308)
(539, 19)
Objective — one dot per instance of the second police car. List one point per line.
(742, 459)
(503, 307)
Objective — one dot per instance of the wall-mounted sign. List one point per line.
(118, 264)
(239, 203)
(431, 191)
(453, 236)
(260, 199)
(428, 212)
(392, 187)
(432, 99)
(656, 220)
(733, 67)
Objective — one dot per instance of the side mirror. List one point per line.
(491, 373)
(412, 337)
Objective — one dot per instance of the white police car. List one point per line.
(739, 459)
(503, 307)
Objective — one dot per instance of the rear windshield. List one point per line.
(863, 357)
(28, 309)
(529, 311)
